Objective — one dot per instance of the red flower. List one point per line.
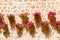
(37, 13)
(17, 25)
(52, 13)
(57, 22)
(30, 23)
(4, 25)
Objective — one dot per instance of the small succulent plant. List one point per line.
(19, 29)
(31, 28)
(37, 18)
(11, 18)
(24, 17)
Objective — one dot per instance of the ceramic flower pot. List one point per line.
(31, 28)
(5, 30)
(11, 18)
(45, 28)
(19, 29)
(51, 16)
(1, 18)
(37, 18)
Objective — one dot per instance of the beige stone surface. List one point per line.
(31, 6)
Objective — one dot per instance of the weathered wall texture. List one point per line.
(31, 6)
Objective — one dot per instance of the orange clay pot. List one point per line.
(46, 30)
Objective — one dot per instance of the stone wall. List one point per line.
(31, 6)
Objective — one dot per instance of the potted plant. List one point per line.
(1, 18)
(37, 18)
(11, 18)
(19, 29)
(31, 28)
(5, 30)
(58, 26)
(51, 16)
(25, 19)
(45, 28)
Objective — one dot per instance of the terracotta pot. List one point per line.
(46, 30)
(32, 31)
(5, 29)
(6, 32)
(19, 29)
